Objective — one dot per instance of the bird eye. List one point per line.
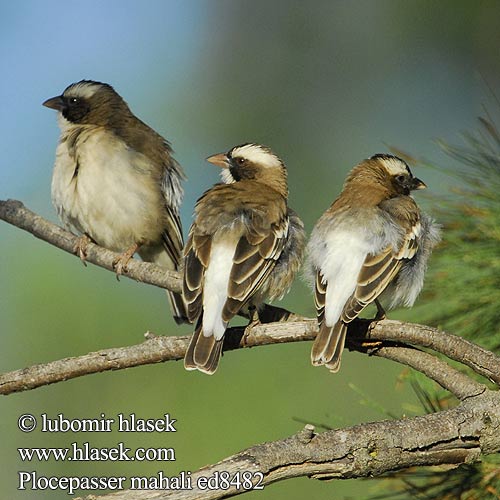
(73, 100)
(240, 161)
(400, 178)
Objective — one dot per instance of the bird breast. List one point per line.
(107, 190)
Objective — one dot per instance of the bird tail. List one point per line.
(203, 353)
(328, 346)
(160, 256)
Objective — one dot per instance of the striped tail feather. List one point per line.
(203, 353)
(328, 346)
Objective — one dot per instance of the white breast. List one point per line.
(113, 197)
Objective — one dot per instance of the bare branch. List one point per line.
(15, 213)
(447, 377)
(452, 437)
(482, 361)
(157, 349)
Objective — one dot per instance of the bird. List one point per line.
(372, 243)
(115, 181)
(245, 245)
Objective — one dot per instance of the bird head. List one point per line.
(88, 103)
(396, 174)
(251, 162)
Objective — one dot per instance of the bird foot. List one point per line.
(120, 263)
(380, 312)
(254, 321)
(81, 246)
(371, 344)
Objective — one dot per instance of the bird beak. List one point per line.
(56, 103)
(220, 160)
(418, 184)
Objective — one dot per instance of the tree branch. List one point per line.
(482, 361)
(15, 213)
(157, 349)
(452, 437)
(449, 378)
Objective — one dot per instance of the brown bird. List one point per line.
(373, 239)
(245, 246)
(115, 180)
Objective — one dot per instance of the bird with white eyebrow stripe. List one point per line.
(245, 245)
(372, 240)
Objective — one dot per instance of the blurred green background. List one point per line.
(323, 83)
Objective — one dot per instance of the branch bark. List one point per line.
(157, 349)
(452, 437)
(481, 360)
(15, 213)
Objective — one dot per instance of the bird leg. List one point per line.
(81, 246)
(380, 311)
(374, 344)
(120, 263)
(253, 312)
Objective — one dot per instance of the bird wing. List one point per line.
(172, 236)
(319, 297)
(378, 271)
(255, 256)
(197, 256)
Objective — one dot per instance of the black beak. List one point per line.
(56, 103)
(417, 184)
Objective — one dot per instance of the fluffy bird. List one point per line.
(245, 246)
(115, 181)
(373, 239)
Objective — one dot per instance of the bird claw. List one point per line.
(120, 263)
(254, 321)
(381, 315)
(372, 344)
(81, 246)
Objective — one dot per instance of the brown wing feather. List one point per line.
(319, 297)
(255, 256)
(197, 254)
(377, 272)
(172, 236)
